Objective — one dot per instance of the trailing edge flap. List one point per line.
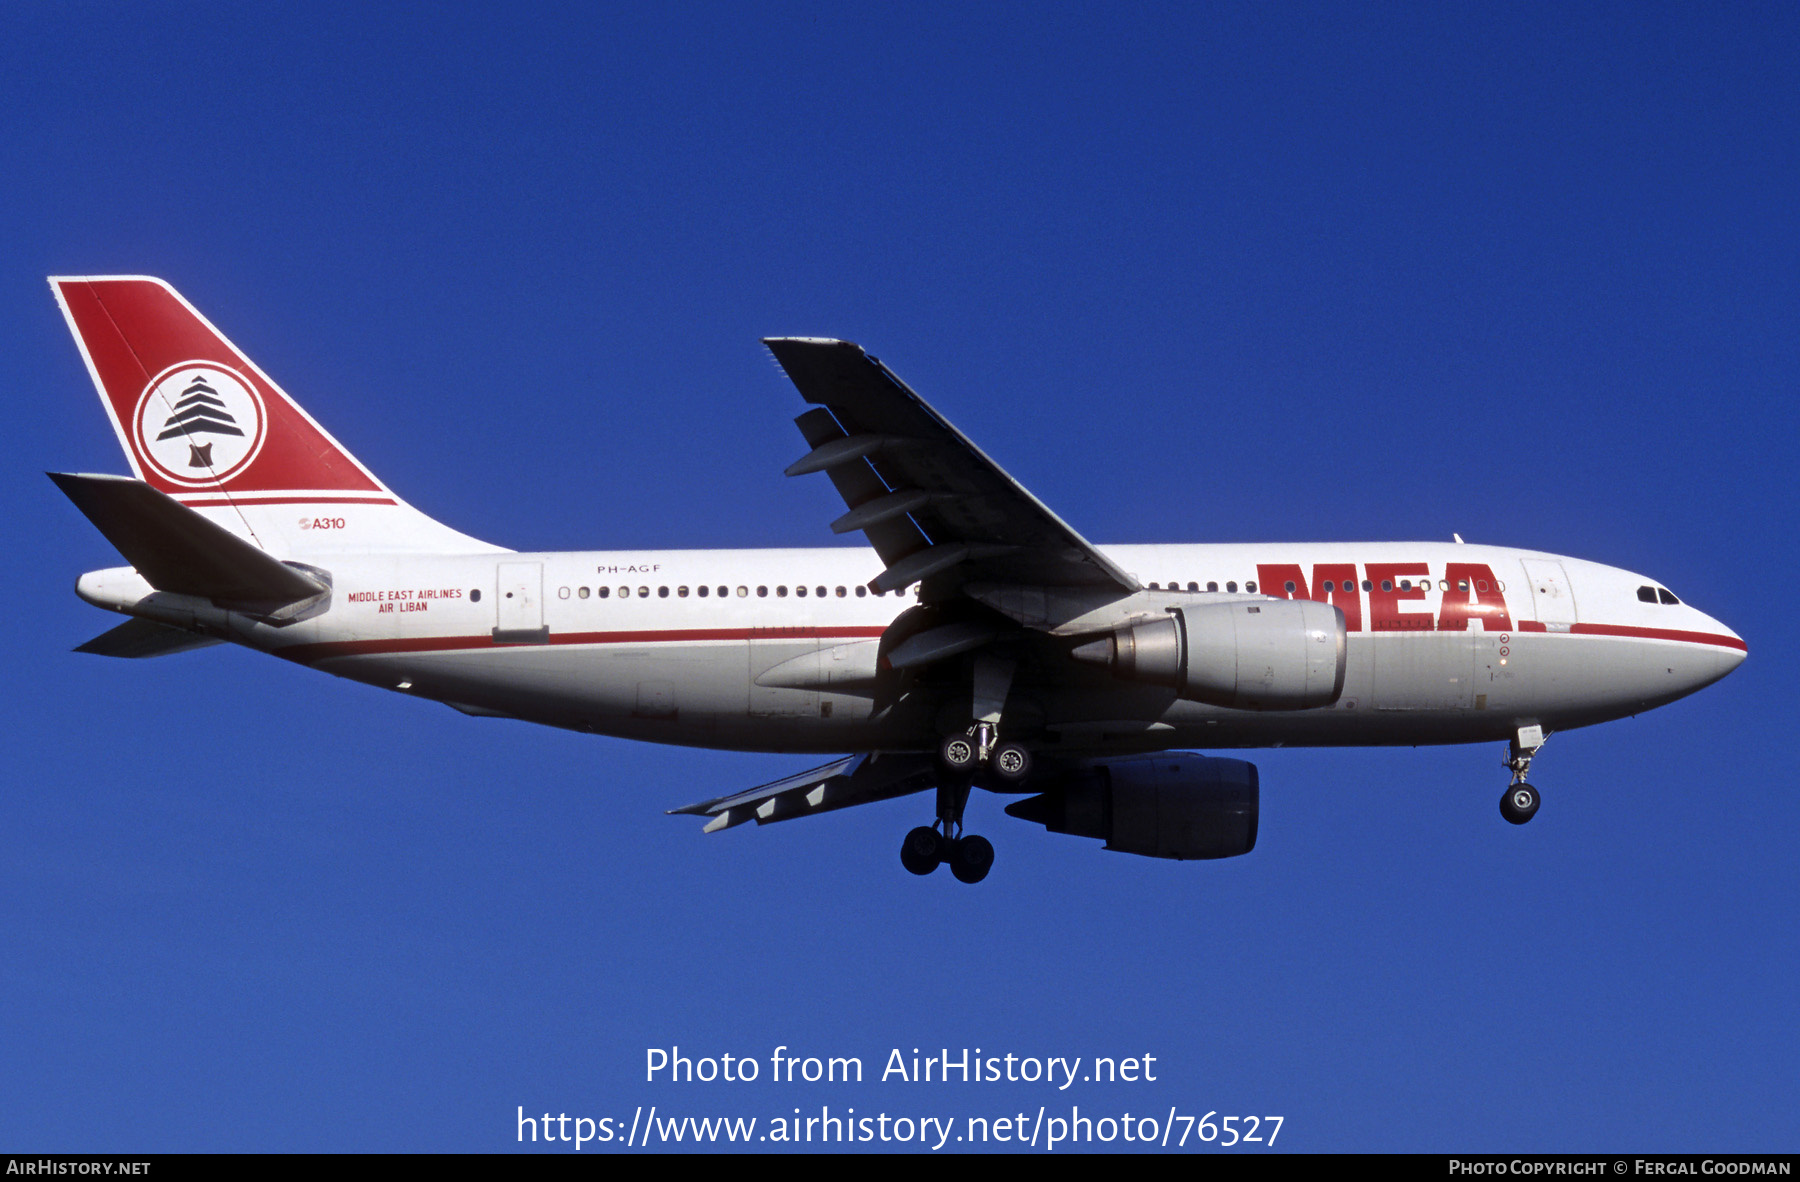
(145, 638)
(855, 779)
(178, 550)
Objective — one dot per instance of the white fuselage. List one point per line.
(777, 650)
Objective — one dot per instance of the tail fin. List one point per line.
(199, 421)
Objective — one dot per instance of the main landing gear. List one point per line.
(1520, 802)
(965, 754)
(961, 758)
(929, 846)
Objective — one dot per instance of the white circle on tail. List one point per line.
(199, 423)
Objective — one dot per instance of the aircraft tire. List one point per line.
(1520, 803)
(1011, 763)
(971, 859)
(959, 753)
(922, 850)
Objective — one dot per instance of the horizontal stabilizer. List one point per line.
(180, 551)
(855, 779)
(145, 638)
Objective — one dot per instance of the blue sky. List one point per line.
(1190, 273)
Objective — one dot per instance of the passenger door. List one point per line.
(519, 604)
(1551, 595)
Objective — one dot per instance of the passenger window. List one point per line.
(781, 591)
(703, 589)
(1212, 586)
(662, 592)
(475, 595)
(1669, 597)
(800, 591)
(762, 592)
(820, 591)
(1231, 587)
(624, 592)
(1463, 586)
(1288, 586)
(1154, 587)
(1368, 586)
(681, 592)
(583, 593)
(603, 592)
(1387, 584)
(841, 592)
(1406, 584)
(861, 590)
(1194, 587)
(562, 592)
(643, 592)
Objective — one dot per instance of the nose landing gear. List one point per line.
(1520, 802)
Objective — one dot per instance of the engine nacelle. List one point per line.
(1174, 805)
(1275, 654)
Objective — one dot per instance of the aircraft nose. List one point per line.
(1719, 657)
(1737, 653)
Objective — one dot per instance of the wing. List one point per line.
(939, 512)
(856, 779)
(932, 504)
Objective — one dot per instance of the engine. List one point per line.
(1173, 805)
(1276, 654)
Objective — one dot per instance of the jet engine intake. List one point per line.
(1276, 654)
(1173, 805)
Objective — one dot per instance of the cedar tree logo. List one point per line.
(199, 423)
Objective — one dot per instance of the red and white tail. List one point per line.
(198, 420)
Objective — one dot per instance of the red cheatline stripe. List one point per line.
(308, 653)
(1642, 633)
(1660, 634)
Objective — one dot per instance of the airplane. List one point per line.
(977, 641)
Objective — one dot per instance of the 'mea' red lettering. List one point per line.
(1473, 595)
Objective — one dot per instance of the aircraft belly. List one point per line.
(690, 693)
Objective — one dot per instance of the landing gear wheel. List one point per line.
(1520, 803)
(922, 850)
(959, 754)
(1011, 762)
(971, 859)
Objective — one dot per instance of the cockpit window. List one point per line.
(1667, 596)
(1647, 594)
